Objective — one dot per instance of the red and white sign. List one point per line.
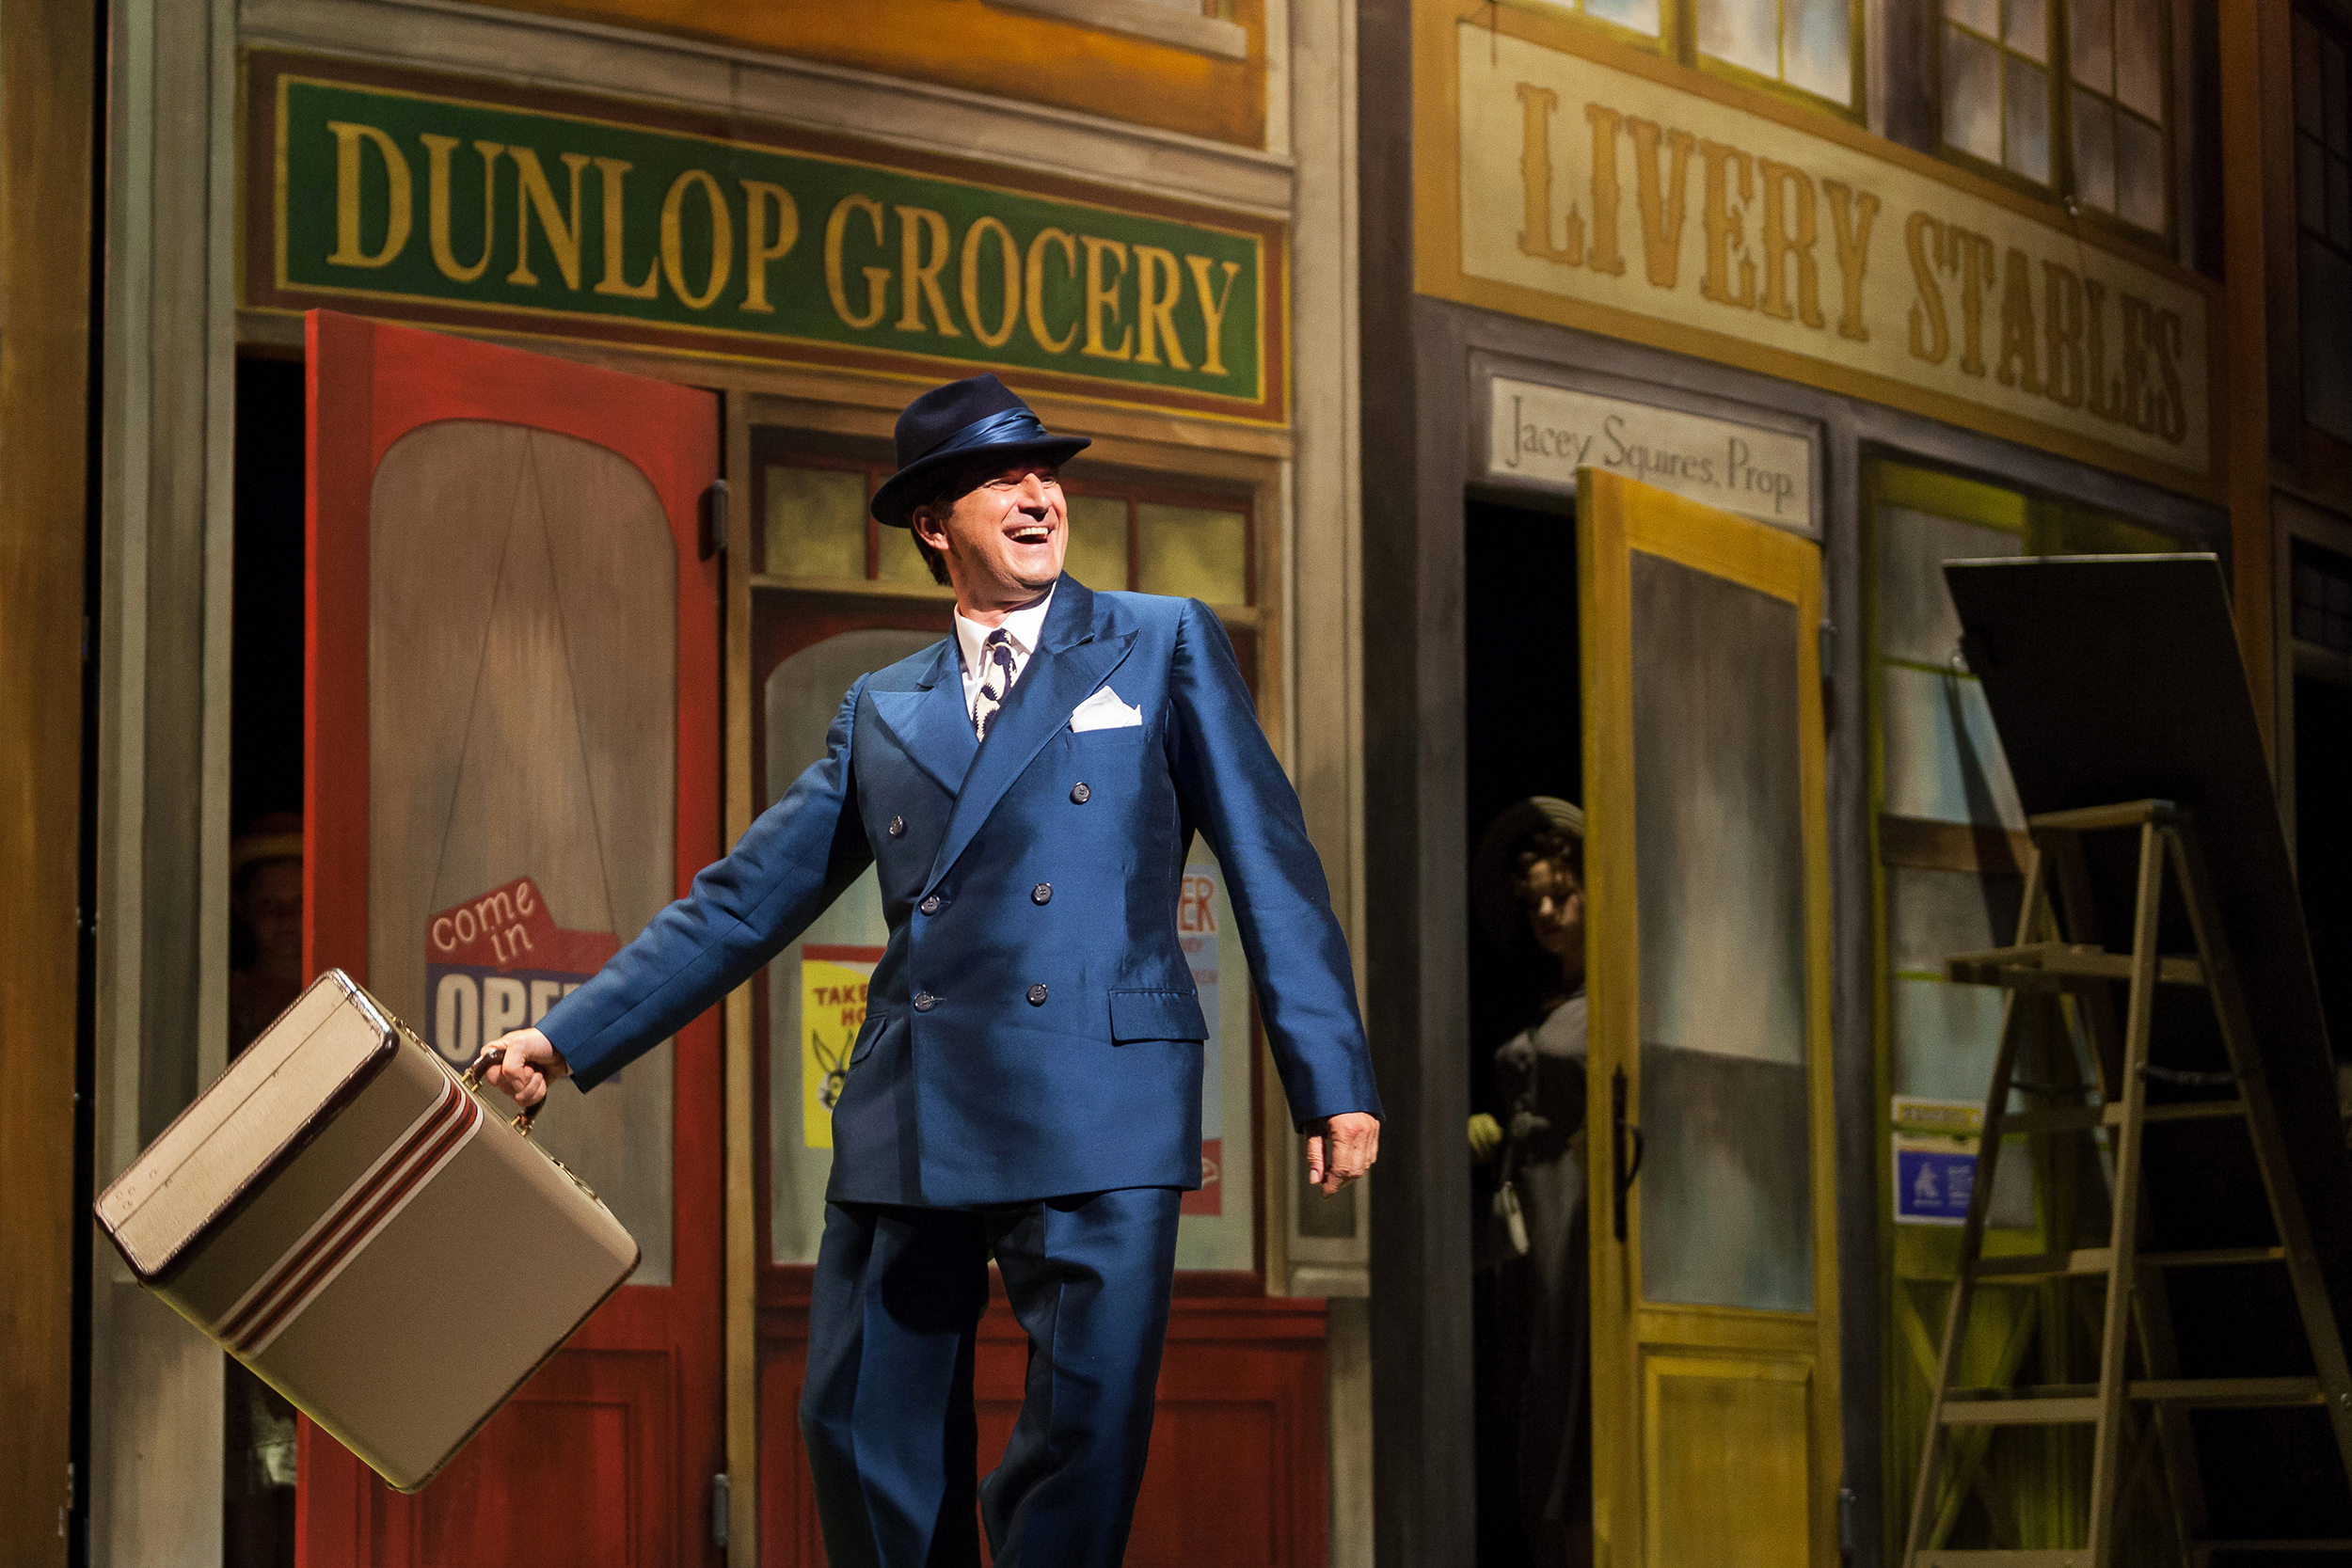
(498, 962)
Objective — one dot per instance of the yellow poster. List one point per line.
(833, 1009)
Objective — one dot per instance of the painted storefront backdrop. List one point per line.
(466, 204)
(1590, 189)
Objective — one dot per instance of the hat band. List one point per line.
(999, 429)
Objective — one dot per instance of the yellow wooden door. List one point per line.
(1714, 1274)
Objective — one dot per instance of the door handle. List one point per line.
(1623, 1135)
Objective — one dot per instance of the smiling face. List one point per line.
(1004, 538)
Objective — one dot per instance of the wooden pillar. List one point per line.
(48, 69)
(2264, 365)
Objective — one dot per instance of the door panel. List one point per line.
(1714, 1333)
(512, 765)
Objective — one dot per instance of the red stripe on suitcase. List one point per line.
(380, 1192)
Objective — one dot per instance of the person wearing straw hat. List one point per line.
(1527, 881)
(1027, 1086)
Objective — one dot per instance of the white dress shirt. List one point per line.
(1022, 628)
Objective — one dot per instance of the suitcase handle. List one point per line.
(490, 1058)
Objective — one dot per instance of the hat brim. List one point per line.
(1493, 867)
(903, 492)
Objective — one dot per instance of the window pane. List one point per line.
(1194, 552)
(2309, 113)
(816, 522)
(1983, 15)
(1819, 48)
(2028, 29)
(2310, 185)
(2026, 103)
(2093, 45)
(2339, 204)
(897, 560)
(2094, 152)
(1943, 758)
(2139, 57)
(2139, 173)
(1917, 621)
(1640, 15)
(1972, 95)
(1743, 32)
(1098, 541)
(2326, 340)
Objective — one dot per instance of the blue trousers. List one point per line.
(887, 1411)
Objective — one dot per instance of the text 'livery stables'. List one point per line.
(451, 206)
(1602, 199)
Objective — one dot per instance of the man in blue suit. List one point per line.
(1027, 1083)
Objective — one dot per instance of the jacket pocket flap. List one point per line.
(1157, 1015)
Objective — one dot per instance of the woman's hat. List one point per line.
(1494, 868)
(949, 426)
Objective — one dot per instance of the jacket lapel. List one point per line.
(1069, 662)
(930, 723)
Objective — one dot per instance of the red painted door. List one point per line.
(512, 763)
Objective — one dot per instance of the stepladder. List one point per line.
(2173, 1077)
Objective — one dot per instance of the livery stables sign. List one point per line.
(472, 204)
(1542, 434)
(1607, 198)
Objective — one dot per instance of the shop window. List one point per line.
(2323, 212)
(1808, 45)
(2322, 597)
(2066, 95)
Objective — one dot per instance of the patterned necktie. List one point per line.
(996, 679)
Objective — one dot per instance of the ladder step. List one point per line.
(2060, 1557)
(2043, 966)
(2331, 1543)
(2070, 1403)
(2047, 1265)
(2246, 1392)
(2000, 1410)
(2214, 1257)
(2078, 1118)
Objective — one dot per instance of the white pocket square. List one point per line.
(1105, 711)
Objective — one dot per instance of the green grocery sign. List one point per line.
(439, 205)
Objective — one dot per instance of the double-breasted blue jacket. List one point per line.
(1032, 1029)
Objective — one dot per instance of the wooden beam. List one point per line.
(48, 69)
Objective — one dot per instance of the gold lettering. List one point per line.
(437, 150)
(1033, 276)
(1850, 220)
(673, 239)
(1009, 256)
(2167, 343)
(2017, 367)
(1212, 310)
(1536, 107)
(1779, 243)
(1930, 334)
(2102, 399)
(1605, 256)
(1724, 226)
(1977, 259)
(877, 279)
(1661, 211)
(399, 212)
(2063, 334)
(1155, 308)
(537, 195)
(616, 280)
(761, 247)
(1101, 296)
(2135, 411)
(918, 281)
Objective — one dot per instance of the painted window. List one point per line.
(2323, 215)
(1810, 46)
(2067, 95)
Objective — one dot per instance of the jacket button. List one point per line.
(1042, 893)
(1078, 794)
(925, 1001)
(897, 826)
(931, 905)
(1037, 997)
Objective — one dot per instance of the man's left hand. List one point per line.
(1340, 1148)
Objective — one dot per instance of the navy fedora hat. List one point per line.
(950, 426)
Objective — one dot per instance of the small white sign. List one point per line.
(1547, 433)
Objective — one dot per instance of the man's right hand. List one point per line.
(527, 1064)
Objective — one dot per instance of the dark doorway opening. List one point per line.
(1522, 711)
(266, 667)
(2322, 609)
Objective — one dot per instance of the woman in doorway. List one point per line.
(1528, 880)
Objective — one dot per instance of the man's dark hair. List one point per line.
(953, 487)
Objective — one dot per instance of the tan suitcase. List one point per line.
(347, 1216)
